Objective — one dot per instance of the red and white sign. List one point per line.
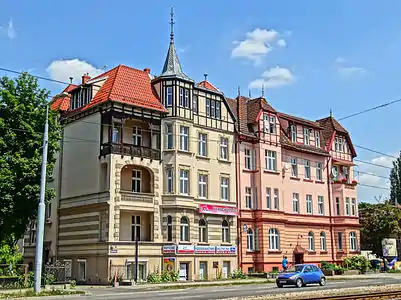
(169, 249)
(185, 249)
(205, 249)
(217, 210)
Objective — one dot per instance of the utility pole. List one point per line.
(41, 210)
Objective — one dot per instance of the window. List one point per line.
(250, 159)
(311, 241)
(195, 103)
(181, 97)
(266, 123)
(184, 230)
(225, 232)
(116, 133)
(184, 186)
(169, 229)
(208, 107)
(337, 206)
(270, 160)
(186, 98)
(274, 239)
(32, 233)
(293, 133)
(224, 148)
(203, 186)
(307, 169)
(317, 139)
(294, 167)
(136, 181)
(169, 133)
(340, 241)
(276, 199)
(218, 111)
(225, 188)
(48, 210)
(320, 205)
(268, 198)
(295, 202)
(250, 238)
(347, 208)
(346, 173)
(137, 136)
(306, 136)
(272, 124)
(169, 181)
(213, 108)
(184, 131)
(169, 96)
(353, 241)
(202, 231)
(353, 207)
(135, 228)
(248, 197)
(309, 205)
(336, 145)
(323, 246)
(319, 174)
(202, 147)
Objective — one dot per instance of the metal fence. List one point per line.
(60, 270)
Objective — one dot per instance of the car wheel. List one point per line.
(299, 283)
(322, 281)
(279, 285)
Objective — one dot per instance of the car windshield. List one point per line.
(295, 269)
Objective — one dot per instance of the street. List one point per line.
(221, 292)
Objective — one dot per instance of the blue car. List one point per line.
(301, 275)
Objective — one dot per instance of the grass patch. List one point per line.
(31, 293)
(191, 286)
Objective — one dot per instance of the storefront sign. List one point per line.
(226, 249)
(217, 210)
(169, 249)
(185, 249)
(169, 264)
(205, 249)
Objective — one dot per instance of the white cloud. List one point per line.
(273, 78)
(9, 30)
(62, 70)
(281, 43)
(346, 70)
(257, 44)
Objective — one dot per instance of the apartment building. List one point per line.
(146, 159)
(296, 192)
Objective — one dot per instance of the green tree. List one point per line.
(395, 182)
(378, 221)
(22, 117)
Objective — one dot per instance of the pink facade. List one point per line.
(296, 194)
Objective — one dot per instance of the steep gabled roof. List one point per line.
(299, 120)
(62, 101)
(207, 85)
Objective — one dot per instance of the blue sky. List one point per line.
(311, 55)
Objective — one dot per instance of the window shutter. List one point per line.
(257, 239)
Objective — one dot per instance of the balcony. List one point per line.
(143, 201)
(129, 150)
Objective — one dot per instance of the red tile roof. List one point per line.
(126, 85)
(62, 102)
(207, 85)
(299, 120)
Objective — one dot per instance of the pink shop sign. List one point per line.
(217, 210)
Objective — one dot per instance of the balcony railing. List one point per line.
(129, 150)
(128, 196)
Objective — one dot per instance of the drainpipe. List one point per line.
(330, 213)
(238, 199)
(58, 193)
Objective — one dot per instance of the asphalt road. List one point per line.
(221, 292)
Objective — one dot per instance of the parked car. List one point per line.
(301, 275)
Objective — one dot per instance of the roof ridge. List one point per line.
(111, 91)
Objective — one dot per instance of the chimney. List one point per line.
(85, 78)
(147, 70)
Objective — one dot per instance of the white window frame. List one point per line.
(276, 199)
(317, 139)
(225, 231)
(79, 261)
(135, 226)
(186, 98)
(202, 144)
(249, 197)
(136, 179)
(338, 206)
(225, 188)
(268, 198)
(295, 203)
(169, 96)
(203, 236)
(208, 107)
(353, 241)
(203, 185)
(250, 240)
(272, 124)
(353, 207)
(294, 167)
(218, 110)
(274, 239)
(307, 169)
(249, 159)
(347, 206)
(184, 230)
(116, 137)
(195, 103)
(270, 160)
(181, 100)
(170, 181)
(309, 204)
(323, 243)
(293, 133)
(311, 241)
(266, 123)
(320, 205)
(184, 182)
(319, 172)
(137, 136)
(223, 148)
(306, 136)
(184, 138)
(169, 136)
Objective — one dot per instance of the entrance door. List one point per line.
(226, 269)
(202, 270)
(183, 271)
(81, 270)
(299, 258)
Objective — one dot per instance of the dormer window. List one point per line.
(169, 96)
(339, 144)
(184, 97)
(293, 133)
(270, 123)
(81, 97)
(306, 136)
(213, 108)
(317, 139)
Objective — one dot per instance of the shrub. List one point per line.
(238, 274)
(49, 279)
(73, 284)
(357, 262)
(153, 278)
(166, 276)
(174, 276)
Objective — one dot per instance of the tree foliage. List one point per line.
(379, 221)
(22, 118)
(395, 182)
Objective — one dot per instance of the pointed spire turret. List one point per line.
(172, 66)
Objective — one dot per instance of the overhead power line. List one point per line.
(369, 109)
(372, 164)
(375, 151)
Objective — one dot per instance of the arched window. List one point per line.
(202, 231)
(169, 229)
(353, 242)
(323, 245)
(274, 239)
(225, 232)
(250, 239)
(184, 230)
(311, 241)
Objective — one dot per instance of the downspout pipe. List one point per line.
(330, 212)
